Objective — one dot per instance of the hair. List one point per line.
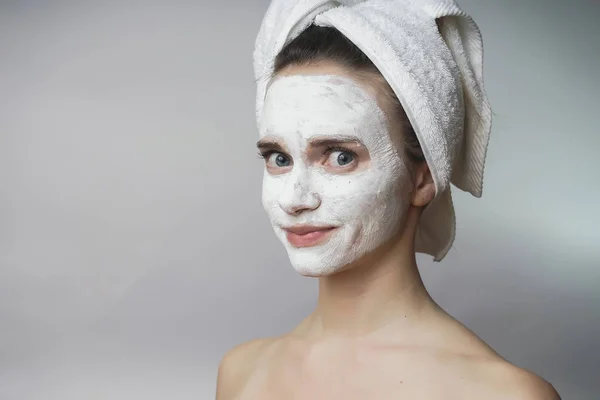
(318, 44)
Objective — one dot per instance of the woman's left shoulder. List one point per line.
(492, 375)
(504, 380)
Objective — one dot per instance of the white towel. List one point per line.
(431, 54)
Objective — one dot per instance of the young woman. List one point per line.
(347, 182)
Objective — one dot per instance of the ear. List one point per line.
(424, 189)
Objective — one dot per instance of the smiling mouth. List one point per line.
(308, 235)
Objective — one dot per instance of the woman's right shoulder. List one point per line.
(238, 363)
(249, 351)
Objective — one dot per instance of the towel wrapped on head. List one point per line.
(431, 54)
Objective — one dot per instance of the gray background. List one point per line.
(133, 248)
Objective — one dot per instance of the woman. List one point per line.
(356, 182)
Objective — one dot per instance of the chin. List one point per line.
(307, 263)
(312, 272)
(316, 265)
(319, 271)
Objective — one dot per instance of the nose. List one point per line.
(297, 197)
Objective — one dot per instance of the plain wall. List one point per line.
(133, 247)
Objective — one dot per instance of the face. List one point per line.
(335, 183)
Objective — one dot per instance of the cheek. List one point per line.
(378, 189)
(270, 191)
(354, 195)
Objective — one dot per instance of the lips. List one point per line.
(308, 235)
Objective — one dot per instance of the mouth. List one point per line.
(308, 235)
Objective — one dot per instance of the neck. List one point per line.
(382, 291)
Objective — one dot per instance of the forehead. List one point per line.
(318, 104)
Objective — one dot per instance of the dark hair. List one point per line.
(318, 44)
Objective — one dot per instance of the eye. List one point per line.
(277, 160)
(340, 157)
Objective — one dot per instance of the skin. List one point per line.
(375, 332)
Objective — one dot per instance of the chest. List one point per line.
(332, 380)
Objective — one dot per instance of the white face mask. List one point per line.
(365, 205)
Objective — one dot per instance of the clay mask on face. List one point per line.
(365, 206)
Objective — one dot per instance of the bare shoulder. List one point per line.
(503, 380)
(488, 375)
(237, 364)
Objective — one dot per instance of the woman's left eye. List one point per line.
(341, 158)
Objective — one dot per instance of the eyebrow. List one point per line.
(269, 144)
(337, 140)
